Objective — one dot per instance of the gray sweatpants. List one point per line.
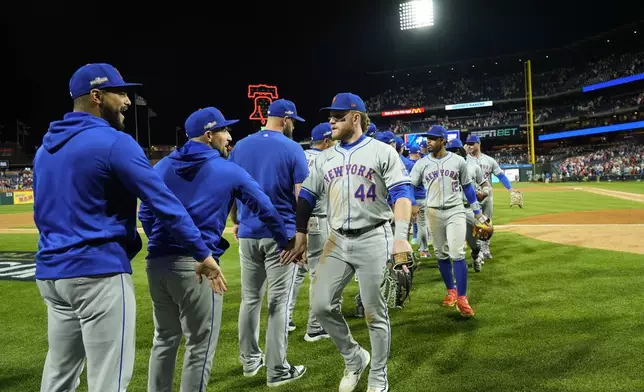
(260, 264)
(89, 318)
(181, 308)
(318, 234)
(366, 256)
(448, 228)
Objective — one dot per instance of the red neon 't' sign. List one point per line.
(262, 96)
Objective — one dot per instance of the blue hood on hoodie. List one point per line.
(60, 132)
(189, 159)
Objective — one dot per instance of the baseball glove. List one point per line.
(398, 278)
(516, 199)
(483, 229)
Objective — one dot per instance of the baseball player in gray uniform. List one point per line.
(444, 174)
(489, 166)
(357, 175)
(483, 189)
(317, 236)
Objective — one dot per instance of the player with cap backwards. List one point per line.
(489, 166)
(318, 232)
(87, 178)
(483, 188)
(357, 175)
(420, 194)
(444, 174)
(279, 165)
(206, 184)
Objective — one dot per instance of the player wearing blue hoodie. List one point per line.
(87, 178)
(207, 185)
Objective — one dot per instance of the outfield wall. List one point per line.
(8, 198)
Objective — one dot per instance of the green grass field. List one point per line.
(549, 318)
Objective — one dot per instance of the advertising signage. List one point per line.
(497, 133)
(402, 112)
(469, 105)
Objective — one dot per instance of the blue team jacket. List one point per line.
(87, 177)
(207, 185)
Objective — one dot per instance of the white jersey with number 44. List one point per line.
(356, 180)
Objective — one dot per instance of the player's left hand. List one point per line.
(296, 251)
(402, 246)
(235, 230)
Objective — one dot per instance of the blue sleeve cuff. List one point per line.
(505, 181)
(308, 196)
(401, 191)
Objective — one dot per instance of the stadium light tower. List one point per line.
(416, 14)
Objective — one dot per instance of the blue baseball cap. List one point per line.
(473, 139)
(423, 143)
(399, 142)
(413, 149)
(385, 137)
(203, 120)
(347, 101)
(284, 108)
(97, 75)
(321, 132)
(454, 143)
(371, 130)
(437, 131)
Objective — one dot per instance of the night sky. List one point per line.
(207, 55)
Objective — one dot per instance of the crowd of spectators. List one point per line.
(619, 159)
(465, 89)
(22, 179)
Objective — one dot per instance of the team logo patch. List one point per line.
(18, 266)
(98, 80)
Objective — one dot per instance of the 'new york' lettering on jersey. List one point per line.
(356, 179)
(443, 179)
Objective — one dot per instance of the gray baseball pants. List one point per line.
(260, 266)
(89, 318)
(366, 255)
(182, 307)
(317, 236)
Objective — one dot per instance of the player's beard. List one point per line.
(288, 130)
(112, 115)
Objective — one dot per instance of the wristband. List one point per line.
(401, 231)
(477, 211)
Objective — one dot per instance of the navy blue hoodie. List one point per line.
(207, 185)
(87, 178)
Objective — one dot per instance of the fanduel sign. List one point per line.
(506, 132)
(402, 112)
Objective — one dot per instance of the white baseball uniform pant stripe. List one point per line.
(182, 307)
(89, 318)
(366, 256)
(260, 264)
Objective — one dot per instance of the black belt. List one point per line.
(319, 216)
(356, 232)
